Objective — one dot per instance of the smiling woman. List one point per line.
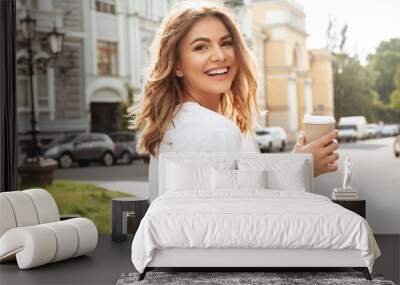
(195, 42)
(200, 89)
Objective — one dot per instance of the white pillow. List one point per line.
(236, 179)
(282, 174)
(223, 179)
(251, 178)
(187, 177)
(288, 176)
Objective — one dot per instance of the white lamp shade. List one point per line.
(28, 26)
(56, 41)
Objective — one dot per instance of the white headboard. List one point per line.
(215, 158)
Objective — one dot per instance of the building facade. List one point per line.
(119, 34)
(58, 85)
(105, 50)
(298, 81)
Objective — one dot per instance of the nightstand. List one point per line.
(127, 212)
(357, 206)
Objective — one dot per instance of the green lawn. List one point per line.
(87, 200)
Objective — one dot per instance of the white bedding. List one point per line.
(251, 218)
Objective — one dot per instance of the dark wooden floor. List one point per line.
(110, 260)
(103, 266)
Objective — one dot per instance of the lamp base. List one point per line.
(37, 171)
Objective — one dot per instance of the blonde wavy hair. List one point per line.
(162, 94)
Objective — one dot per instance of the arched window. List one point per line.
(295, 62)
(296, 56)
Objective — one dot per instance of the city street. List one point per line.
(137, 171)
(376, 176)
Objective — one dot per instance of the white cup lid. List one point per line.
(310, 119)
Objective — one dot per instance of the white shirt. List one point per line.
(198, 129)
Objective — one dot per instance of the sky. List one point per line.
(369, 21)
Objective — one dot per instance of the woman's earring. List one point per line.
(178, 72)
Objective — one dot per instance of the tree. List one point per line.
(331, 37)
(233, 3)
(343, 38)
(384, 63)
(395, 96)
(125, 106)
(353, 83)
(334, 43)
(353, 87)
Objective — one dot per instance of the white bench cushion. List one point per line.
(31, 231)
(40, 244)
(7, 220)
(46, 207)
(24, 211)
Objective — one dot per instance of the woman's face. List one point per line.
(207, 61)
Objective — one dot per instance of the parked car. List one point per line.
(396, 146)
(372, 131)
(352, 128)
(264, 140)
(125, 147)
(347, 133)
(389, 130)
(279, 138)
(81, 148)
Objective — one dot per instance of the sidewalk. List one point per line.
(137, 188)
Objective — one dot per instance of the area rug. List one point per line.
(243, 278)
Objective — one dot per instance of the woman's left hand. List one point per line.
(322, 150)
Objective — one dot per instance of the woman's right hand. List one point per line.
(323, 151)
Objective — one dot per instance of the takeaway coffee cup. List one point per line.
(315, 127)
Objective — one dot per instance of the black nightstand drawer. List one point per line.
(357, 206)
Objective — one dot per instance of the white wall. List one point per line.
(107, 28)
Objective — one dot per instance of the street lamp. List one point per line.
(37, 170)
(55, 38)
(28, 26)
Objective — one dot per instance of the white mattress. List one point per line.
(252, 218)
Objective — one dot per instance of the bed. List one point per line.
(247, 210)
